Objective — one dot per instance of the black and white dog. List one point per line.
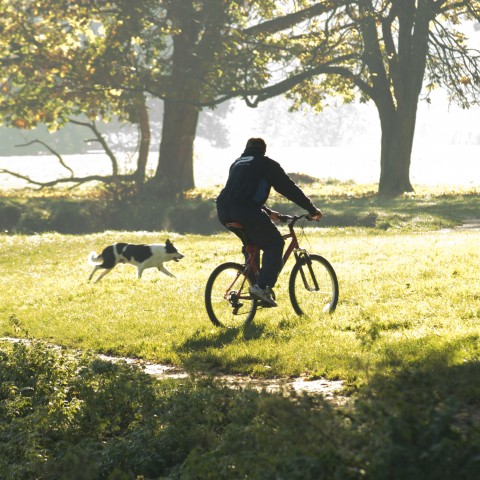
(142, 256)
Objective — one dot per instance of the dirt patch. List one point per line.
(330, 389)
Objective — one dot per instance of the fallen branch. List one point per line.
(76, 180)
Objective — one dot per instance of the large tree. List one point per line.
(409, 46)
(49, 71)
(59, 57)
(194, 54)
(67, 58)
(389, 51)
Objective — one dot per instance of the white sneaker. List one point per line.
(263, 295)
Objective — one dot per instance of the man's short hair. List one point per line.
(257, 143)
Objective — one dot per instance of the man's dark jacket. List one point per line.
(250, 179)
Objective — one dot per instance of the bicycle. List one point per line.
(313, 282)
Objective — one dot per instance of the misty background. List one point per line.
(341, 142)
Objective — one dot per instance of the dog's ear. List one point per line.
(168, 242)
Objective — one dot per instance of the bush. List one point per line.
(67, 416)
(34, 220)
(197, 216)
(123, 207)
(9, 216)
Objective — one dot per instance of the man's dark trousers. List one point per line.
(261, 231)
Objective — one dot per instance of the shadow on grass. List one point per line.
(221, 336)
(435, 212)
(425, 416)
(436, 373)
(417, 423)
(429, 212)
(203, 351)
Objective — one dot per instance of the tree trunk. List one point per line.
(144, 129)
(397, 71)
(398, 129)
(174, 173)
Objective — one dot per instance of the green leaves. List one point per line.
(62, 413)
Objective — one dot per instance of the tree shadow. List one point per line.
(221, 337)
(437, 373)
(417, 419)
(203, 351)
(424, 417)
(416, 422)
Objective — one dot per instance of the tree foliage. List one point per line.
(387, 51)
(100, 58)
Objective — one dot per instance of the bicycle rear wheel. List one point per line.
(227, 297)
(313, 286)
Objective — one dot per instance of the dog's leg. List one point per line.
(93, 272)
(165, 271)
(103, 274)
(139, 272)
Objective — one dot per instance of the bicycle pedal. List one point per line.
(236, 308)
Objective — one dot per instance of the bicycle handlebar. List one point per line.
(291, 220)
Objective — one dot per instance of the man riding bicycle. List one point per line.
(243, 199)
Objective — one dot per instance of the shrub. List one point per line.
(67, 416)
(9, 216)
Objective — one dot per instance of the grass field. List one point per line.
(403, 298)
(404, 339)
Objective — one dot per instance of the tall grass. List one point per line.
(403, 299)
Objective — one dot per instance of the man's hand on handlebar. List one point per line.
(315, 216)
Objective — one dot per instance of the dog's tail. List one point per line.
(95, 259)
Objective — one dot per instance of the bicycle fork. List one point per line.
(303, 258)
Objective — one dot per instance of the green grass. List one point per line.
(405, 338)
(430, 208)
(402, 297)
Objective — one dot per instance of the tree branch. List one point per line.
(281, 23)
(99, 138)
(51, 150)
(287, 84)
(76, 180)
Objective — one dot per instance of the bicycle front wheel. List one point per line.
(313, 286)
(227, 297)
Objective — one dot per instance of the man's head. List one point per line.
(257, 143)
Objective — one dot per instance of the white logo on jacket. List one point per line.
(243, 160)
